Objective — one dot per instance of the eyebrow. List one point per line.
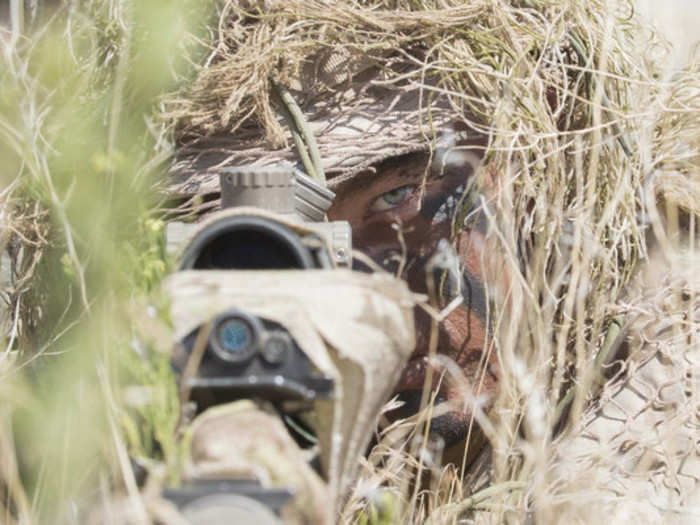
(396, 162)
(373, 173)
(437, 164)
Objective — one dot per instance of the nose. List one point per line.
(441, 276)
(421, 272)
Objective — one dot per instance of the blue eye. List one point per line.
(392, 198)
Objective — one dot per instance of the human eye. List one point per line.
(392, 199)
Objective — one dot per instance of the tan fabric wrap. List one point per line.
(356, 328)
(227, 442)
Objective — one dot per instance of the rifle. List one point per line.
(286, 353)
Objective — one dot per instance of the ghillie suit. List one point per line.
(585, 144)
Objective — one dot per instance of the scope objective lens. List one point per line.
(235, 339)
(235, 336)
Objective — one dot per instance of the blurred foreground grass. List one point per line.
(78, 87)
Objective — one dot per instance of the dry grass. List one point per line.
(594, 152)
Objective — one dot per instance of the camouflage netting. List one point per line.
(636, 457)
(520, 75)
(592, 147)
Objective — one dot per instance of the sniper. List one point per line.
(492, 186)
(405, 191)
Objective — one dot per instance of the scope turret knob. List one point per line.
(276, 348)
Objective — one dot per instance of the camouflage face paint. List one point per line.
(399, 213)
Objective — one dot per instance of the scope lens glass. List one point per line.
(235, 337)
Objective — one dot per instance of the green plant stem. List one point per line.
(613, 338)
(301, 132)
(604, 100)
(455, 509)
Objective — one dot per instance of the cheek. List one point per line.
(346, 210)
(465, 334)
(466, 329)
(485, 259)
(465, 340)
(387, 234)
(473, 252)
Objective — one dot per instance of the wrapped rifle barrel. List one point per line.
(280, 345)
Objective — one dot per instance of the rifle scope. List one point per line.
(268, 241)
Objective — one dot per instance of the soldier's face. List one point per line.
(399, 212)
